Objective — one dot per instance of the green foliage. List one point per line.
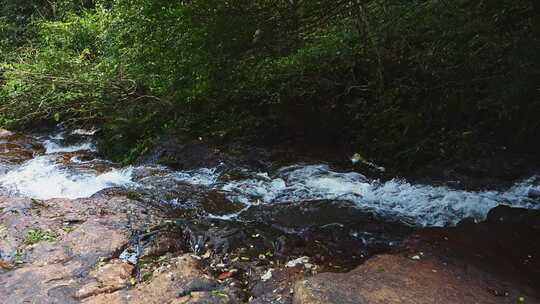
(35, 236)
(407, 82)
(57, 79)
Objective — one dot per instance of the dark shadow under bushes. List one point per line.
(403, 83)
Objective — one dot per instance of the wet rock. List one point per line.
(18, 148)
(183, 153)
(318, 213)
(509, 215)
(489, 262)
(14, 154)
(504, 248)
(231, 174)
(23, 141)
(328, 228)
(499, 170)
(83, 162)
(216, 203)
(534, 193)
(466, 222)
(396, 279)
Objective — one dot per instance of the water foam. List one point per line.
(203, 176)
(42, 178)
(422, 205)
(84, 132)
(52, 147)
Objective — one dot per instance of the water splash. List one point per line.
(84, 132)
(425, 205)
(42, 178)
(52, 147)
(203, 176)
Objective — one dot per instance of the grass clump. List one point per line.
(35, 236)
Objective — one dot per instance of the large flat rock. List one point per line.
(388, 279)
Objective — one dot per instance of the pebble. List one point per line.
(267, 276)
(296, 262)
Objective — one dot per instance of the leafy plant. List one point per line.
(35, 236)
(407, 82)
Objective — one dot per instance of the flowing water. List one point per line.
(69, 168)
(303, 209)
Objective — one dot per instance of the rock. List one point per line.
(5, 133)
(216, 203)
(389, 279)
(113, 276)
(183, 153)
(108, 278)
(16, 149)
(320, 213)
(205, 297)
(296, 262)
(183, 282)
(37, 284)
(534, 193)
(494, 261)
(277, 288)
(59, 269)
(467, 221)
(503, 249)
(508, 215)
(6, 265)
(161, 244)
(90, 289)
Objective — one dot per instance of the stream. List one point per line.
(352, 215)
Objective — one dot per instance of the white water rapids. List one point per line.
(44, 177)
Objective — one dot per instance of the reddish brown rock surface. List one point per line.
(17, 148)
(78, 261)
(69, 251)
(390, 279)
(506, 245)
(496, 261)
(180, 282)
(80, 233)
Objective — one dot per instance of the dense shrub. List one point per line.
(405, 82)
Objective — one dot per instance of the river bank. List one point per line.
(222, 228)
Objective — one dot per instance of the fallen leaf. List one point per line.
(226, 275)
